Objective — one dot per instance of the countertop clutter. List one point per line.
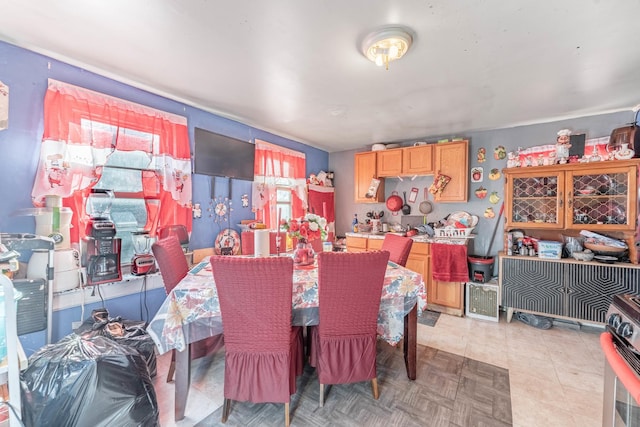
(423, 238)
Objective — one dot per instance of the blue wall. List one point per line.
(26, 74)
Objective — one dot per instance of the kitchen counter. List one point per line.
(422, 238)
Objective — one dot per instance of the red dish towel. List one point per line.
(449, 262)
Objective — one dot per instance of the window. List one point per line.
(279, 183)
(92, 140)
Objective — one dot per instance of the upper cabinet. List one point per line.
(452, 159)
(599, 196)
(365, 169)
(389, 162)
(416, 160)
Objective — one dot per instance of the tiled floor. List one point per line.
(555, 374)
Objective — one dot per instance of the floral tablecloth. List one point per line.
(191, 311)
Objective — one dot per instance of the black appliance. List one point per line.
(100, 248)
(621, 346)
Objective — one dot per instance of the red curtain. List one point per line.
(274, 163)
(83, 128)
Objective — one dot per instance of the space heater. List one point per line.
(482, 300)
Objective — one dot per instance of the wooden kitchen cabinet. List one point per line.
(419, 260)
(452, 159)
(600, 197)
(414, 160)
(418, 160)
(356, 244)
(363, 244)
(445, 297)
(365, 169)
(389, 162)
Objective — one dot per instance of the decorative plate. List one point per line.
(227, 238)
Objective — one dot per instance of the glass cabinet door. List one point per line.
(537, 200)
(601, 200)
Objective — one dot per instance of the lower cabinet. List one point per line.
(444, 297)
(564, 288)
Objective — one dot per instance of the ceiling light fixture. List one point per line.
(386, 45)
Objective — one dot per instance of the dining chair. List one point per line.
(343, 345)
(398, 247)
(173, 268)
(263, 352)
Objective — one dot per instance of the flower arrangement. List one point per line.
(310, 227)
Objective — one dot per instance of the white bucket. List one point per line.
(66, 268)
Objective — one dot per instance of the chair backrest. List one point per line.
(255, 301)
(398, 247)
(349, 291)
(170, 257)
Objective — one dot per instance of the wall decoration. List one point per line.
(477, 174)
(197, 210)
(499, 153)
(482, 155)
(373, 188)
(489, 213)
(494, 198)
(481, 192)
(4, 106)
(494, 174)
(245, 200)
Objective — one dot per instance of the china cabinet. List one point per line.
(365, 169)
(452, 159)
(598, 196)
(601, 197)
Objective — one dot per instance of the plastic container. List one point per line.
(3, 338)
(549, 249)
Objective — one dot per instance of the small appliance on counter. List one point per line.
(143, 261)
(100, 248)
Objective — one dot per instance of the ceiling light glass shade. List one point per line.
(386, 45)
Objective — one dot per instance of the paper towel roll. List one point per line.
(261, 243)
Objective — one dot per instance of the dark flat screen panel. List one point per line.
(220, 155)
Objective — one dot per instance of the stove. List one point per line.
(621, 346)
(623, 319)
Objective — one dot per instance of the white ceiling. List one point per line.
(295, 68)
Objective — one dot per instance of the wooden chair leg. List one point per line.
(226, 407)
(286, 414)
(172, 366)
(321, 395)
(374, 388)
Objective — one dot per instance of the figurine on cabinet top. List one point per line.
(563, 145)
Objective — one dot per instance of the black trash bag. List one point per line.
(88, 381)
(125, 332)
(540, 322)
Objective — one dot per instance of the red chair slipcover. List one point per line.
(343, 345)
(173, 267)
(398, 247)
(264, 353)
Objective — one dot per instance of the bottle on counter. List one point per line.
(354, 223)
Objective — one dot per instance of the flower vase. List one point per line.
(303, 253)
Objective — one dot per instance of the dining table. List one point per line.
(191, 312)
